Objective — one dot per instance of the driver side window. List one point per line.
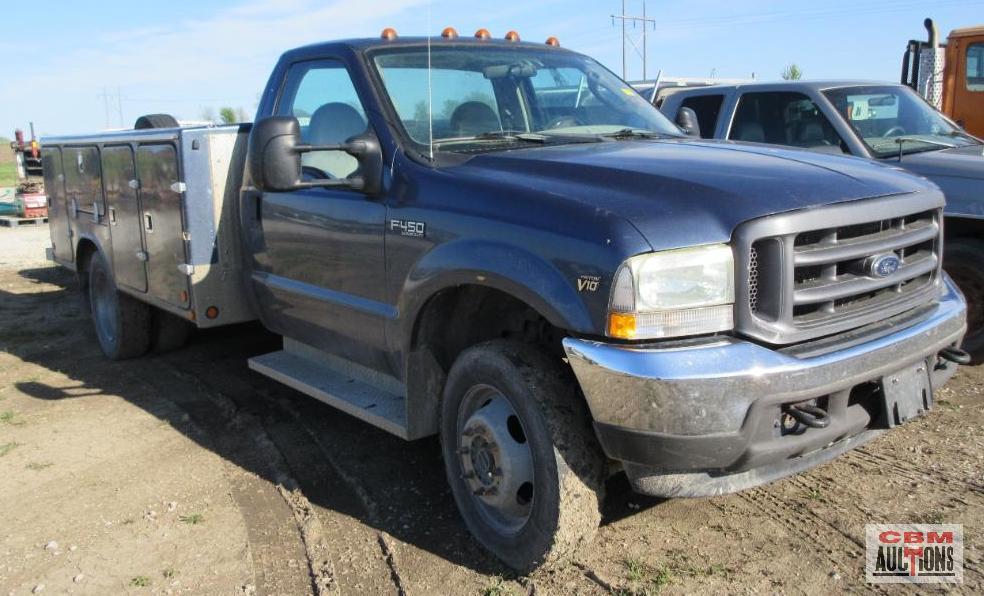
(784, 118)
(323, 98)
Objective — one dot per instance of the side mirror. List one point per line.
(274, 158)
(686, 119)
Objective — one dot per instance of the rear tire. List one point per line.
(963, 259)
(122, 322)
(169, 332)
(522, 460)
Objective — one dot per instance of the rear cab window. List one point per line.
(975, 67)
(707, 108)
(784, 118)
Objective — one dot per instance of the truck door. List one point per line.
(160, 200)
(968, 85)
(58, 216)
(123, 214)
(317, 253)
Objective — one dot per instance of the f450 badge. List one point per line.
(410, 229)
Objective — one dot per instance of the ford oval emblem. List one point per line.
(884, 265)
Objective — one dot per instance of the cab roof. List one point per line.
(372, 43)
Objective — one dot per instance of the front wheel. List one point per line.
(524, 466)
(963, 259)
(122, 322)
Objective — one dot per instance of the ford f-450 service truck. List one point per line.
(501, 243)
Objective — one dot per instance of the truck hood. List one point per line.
(960, 162)
(685, 192)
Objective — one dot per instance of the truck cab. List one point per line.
(502, 244)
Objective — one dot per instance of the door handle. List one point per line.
(112, 216)
(148, 222)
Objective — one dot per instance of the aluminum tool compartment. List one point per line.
(160, 205)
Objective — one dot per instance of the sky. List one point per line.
(75, 67)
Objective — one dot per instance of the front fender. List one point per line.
(516, 271)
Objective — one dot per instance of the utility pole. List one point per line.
(626, 39)
(105, 97)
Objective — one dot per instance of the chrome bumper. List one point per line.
(700, 406)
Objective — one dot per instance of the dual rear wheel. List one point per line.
(126, 327)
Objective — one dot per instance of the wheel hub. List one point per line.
(497, 463)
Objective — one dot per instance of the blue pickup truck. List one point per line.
(502, 244)
(878, 121)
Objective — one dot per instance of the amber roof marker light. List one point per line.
(388, 33)
(553, 41)
(449, 33)
(512, 36)
(483, 34)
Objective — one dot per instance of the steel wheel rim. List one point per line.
(103, 298)
(495, 459)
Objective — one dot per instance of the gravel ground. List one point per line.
(187, 473)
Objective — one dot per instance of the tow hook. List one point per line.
(955, 355)
(809, 415)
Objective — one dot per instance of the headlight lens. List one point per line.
(674, 293)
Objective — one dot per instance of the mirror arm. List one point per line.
(355, 148)
(356, 183)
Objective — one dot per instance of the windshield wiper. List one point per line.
(509, 135)
(901, 141)
(636, 133)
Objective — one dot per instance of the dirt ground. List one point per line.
(187, 473)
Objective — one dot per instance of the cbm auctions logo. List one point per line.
(913, 553)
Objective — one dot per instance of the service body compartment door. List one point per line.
(58, 216)
(123, 213)
(160, 199)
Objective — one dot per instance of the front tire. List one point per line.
(522, 460)
(122, 322)
(964, 260)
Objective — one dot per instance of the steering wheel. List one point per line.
(563, 122)
(897, 130)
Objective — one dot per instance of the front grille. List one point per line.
(803, 280)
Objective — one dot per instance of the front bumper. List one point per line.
(704, 417)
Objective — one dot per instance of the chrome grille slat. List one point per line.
(885, 241)
(807, 274)
(852, 285)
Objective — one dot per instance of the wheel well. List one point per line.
(457, 318)
(83, 252)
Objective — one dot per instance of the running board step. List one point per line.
(335, 388)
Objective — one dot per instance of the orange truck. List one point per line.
(950, 75)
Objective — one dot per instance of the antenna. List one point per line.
(430, 89)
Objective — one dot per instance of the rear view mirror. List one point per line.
(274, 162)
(686, 119)
(274, 158)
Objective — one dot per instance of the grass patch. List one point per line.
(815, 494)
(635, 570)
(193, 519)
(169, 573)
(6, 448)
(141, 581)
(496, 587)
(38, 465)
(8, 174)
(7, 417)
(646, 580)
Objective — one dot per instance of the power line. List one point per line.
(635, 20)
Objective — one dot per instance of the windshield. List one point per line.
(890, 118)
(480, 97)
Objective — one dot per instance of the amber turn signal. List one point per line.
(512, 36)
(553, 41)
(449, 33)
(621, 325)
(388, 33)
(483, 34)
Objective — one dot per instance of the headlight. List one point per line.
(674, 293)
